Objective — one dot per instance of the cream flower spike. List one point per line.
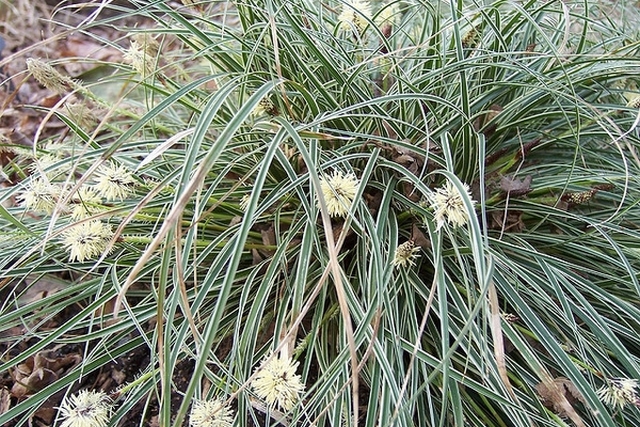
(114, 182)
(41, 196)
(277, 383)
(49, 77)
(210, 413)
(405, 254)
(338, 192)
(86, 409)
(619, 392)
(87, 240)
(448, 206)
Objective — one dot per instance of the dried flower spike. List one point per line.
(49, 77)
(448, 205)
(87, 240)
(210, 413)
(86, 409)
(405, 254)
(338, 192)
(580, 198)
(114, 183)
(471, 39)
(619, 392)
(355, 14)
(277, 383)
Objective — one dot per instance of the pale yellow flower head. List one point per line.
(41, 196)
(210, 413)
(338, 192)
(619, 392)
(114, 183)
(86, 409)
(355, 13)
(87, 240)
(405, 254)
(448, 205)
(277, 383)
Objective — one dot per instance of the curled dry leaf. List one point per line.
(484, 123)
(552, 395)
(372, 199)
(515, 187)
(512, 223)
(39, 371)
(419, 238)
(5, 400)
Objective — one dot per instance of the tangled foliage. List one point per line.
(428, 209)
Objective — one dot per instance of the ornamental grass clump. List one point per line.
(323, 210)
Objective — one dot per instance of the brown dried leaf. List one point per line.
(419, 238)
(40, 289)
(482, 123)
(560, 395)
(39, 371)
(257, 258)
(574, 394)
(154, 421)
(409, 159)
(5, 400)
(37, 380)
(268, 239)
(513, 222)
(515, 187)
(83, 47)
(373, 200)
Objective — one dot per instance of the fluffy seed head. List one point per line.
(87, 240)
(634, 102)
(448, 205)
(619, 392)
(114, 183)
(210, 413)
(82, 114)
(86, 202)
(86, 409)
(388, 15)
(41, 196)
(244, 202)
(338, 192)
(278, 383)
